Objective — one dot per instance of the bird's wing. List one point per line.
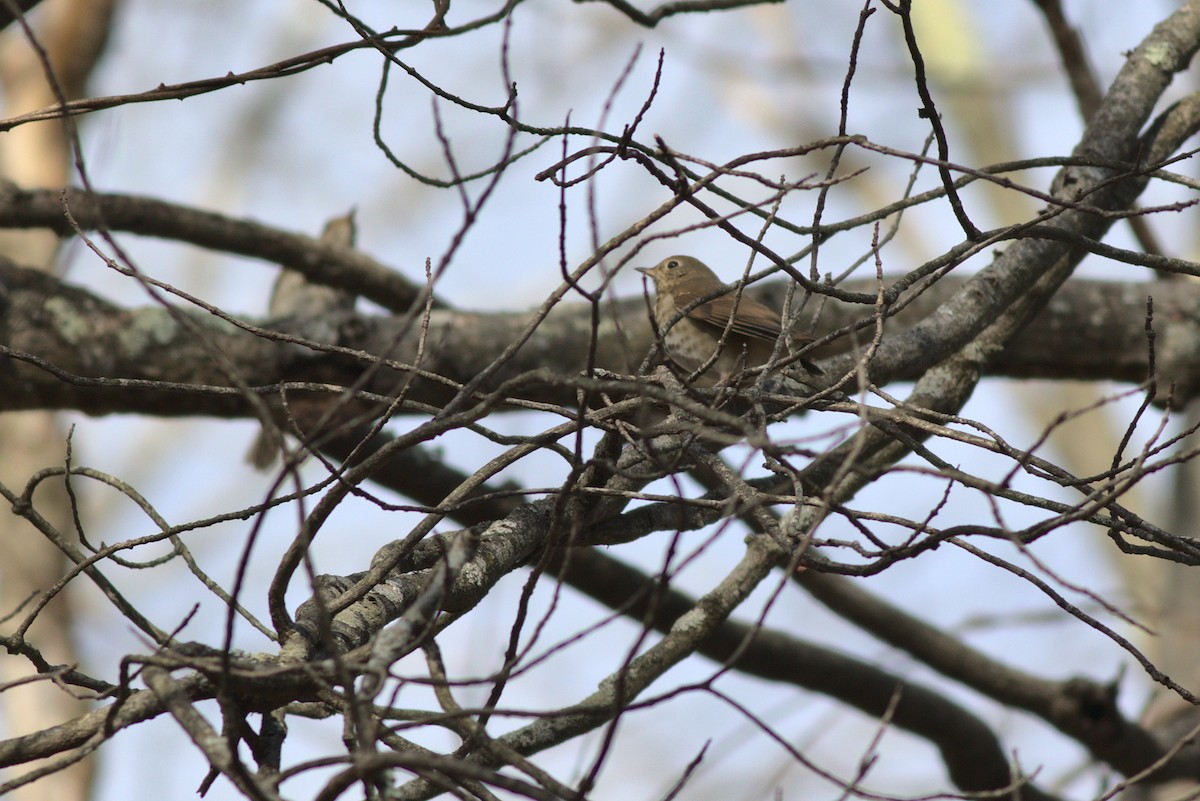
(754, 319)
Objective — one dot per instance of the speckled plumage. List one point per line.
(692, 341)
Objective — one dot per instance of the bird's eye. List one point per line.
(672, 264)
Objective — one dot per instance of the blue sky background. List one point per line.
(296, 151)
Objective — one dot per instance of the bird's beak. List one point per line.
(644, 270)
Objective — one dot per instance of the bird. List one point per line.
(295, 299)
(692, 341)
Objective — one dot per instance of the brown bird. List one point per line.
(692, 341)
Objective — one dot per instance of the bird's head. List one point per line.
(676, 270)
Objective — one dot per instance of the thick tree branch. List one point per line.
(317, 260)
(1080, 708)
(973, 755)
(68, 349)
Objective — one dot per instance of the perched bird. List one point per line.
(693, 340)
(295, 298)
